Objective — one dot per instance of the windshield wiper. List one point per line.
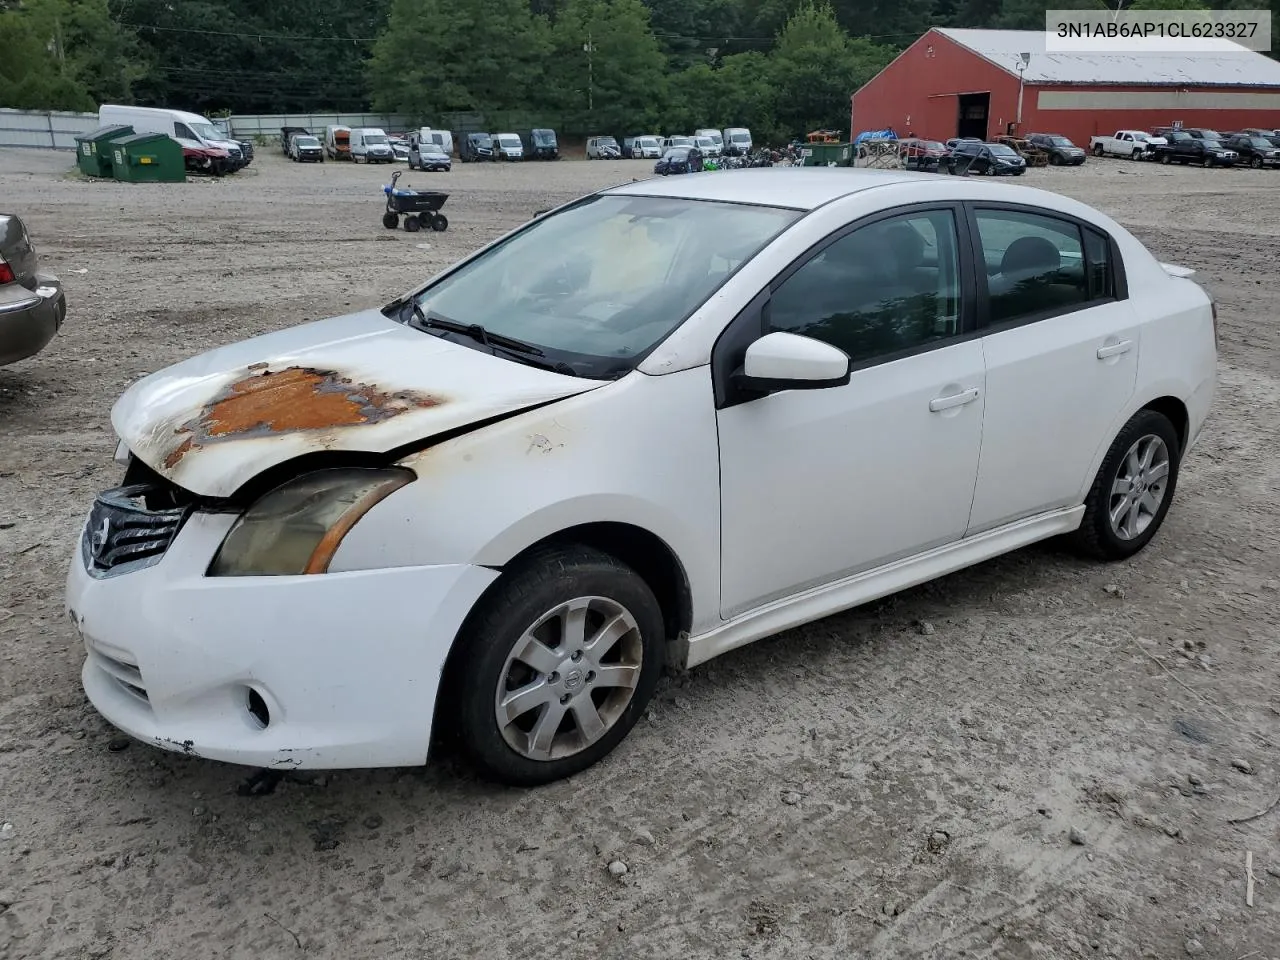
(474, 331)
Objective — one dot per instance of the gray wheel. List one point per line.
(1133, 490)
(569, 678)
(555, 666)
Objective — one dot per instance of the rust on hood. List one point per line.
(291, 400)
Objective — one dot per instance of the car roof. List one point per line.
(802, 189)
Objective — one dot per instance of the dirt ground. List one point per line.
(899, 781)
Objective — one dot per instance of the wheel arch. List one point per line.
(1176, 412)
(643, 551)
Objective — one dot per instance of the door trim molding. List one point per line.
(871, 585)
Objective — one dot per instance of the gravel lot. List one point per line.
(899, 781)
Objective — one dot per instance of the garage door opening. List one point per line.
(972, 121)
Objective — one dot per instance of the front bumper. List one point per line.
(346, 664)
(29, 319)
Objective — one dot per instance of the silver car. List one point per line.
(32, 304)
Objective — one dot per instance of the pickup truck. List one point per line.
(1134, 144)
(1184, 148)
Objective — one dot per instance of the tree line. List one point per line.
(781, 67)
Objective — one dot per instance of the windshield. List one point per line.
(1210, 135)
(600, 283)
(306, 141)
(1213, 143)
(1141, 136)
(205, 131)
(931, 145)
(375, 138)
(1000, 150)
(544, 138)
(1060, 141)
(607, 142)
(508, 140)
(704, 142)
(482, 139)
(1262, 143)
(741, 138)
(681, 142)
(646, 142)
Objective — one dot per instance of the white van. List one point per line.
(737, 141)
(371, 145)
(715, 138)
(172, 123)
(441, 138)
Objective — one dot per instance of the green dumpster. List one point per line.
(148, 158)
(828, 154)
(93, 149)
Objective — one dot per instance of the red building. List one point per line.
(967, 83)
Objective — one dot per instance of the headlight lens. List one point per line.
(297, 527)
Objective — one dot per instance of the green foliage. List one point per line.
(444, 55)
(816, 66)
(620, 81)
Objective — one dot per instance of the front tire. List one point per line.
(1131, 494)
(557, 664)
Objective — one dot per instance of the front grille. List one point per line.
(123, 532)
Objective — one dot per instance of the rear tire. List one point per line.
(390, 220)
(522, 637)
(439, 223)
(1133, 490)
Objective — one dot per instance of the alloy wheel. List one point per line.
(569, 678)
(1139, 487)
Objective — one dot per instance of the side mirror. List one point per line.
(787, 361)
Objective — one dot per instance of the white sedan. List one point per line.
(647, 427)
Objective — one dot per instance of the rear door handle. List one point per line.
(955, 400)
(1115, 349)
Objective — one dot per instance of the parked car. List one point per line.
(715, 136)
(1060, 150)
(441, 138)
(177, 124)
(476, 147)
(304, 148)
(201, 158)
(477, 479)
(994, 159)
(371, 145)
(337, 142)
(427, 155)
(1256, 151)
(706, 146)
(641, 148)
(1181, 147)
(679, 160)
(508, 146)
(603, 148)
(32, 304)
(924, 155)
(540, 144)
(400, 147)
(287, 133)
(737, 141)
(1133, 144)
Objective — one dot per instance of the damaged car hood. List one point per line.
(359, 382)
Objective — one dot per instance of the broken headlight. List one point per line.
(297, 527)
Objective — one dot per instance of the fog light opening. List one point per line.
(258, 708)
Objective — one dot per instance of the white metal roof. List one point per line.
(802, 189)
(1231, 65)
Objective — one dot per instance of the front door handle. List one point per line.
(1115, 349)
(955, 400)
